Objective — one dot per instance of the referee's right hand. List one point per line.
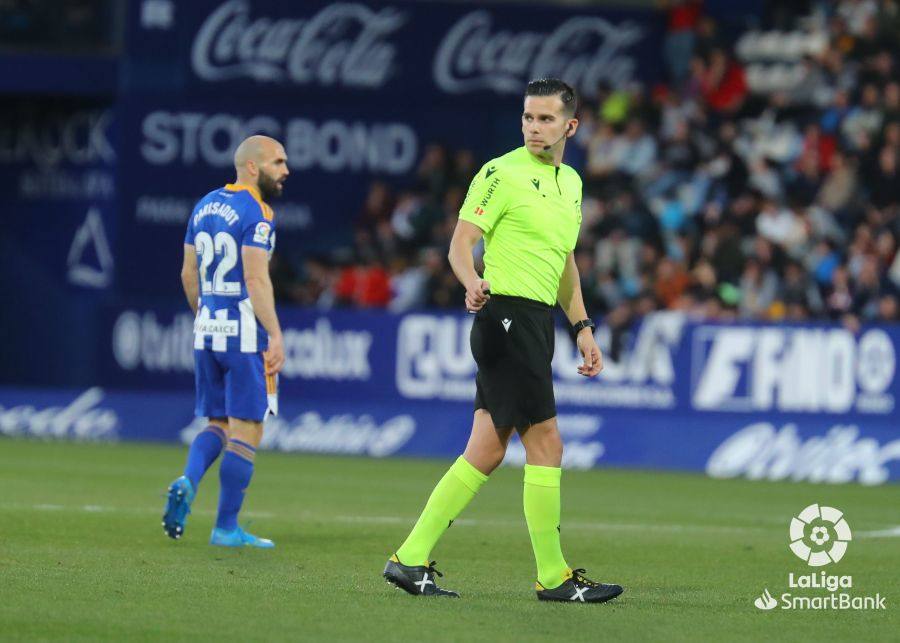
(478, 291)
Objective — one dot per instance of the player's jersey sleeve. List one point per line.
(258, 230)
(487, 198)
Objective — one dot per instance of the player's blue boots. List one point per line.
(178, 506)
(238, 538)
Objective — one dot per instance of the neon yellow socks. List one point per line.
(457, 488)
(541, 500)
(451, 495)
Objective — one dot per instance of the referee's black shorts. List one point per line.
(512, 342)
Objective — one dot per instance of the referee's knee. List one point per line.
(485, 460)
(545, 449)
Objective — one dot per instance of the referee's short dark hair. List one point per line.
(555, 87)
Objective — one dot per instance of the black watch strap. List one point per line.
(579, 326)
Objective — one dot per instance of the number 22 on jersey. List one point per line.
(220, 250)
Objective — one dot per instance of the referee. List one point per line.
(527, 206)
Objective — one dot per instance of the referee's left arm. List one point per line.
(570, 298)
(569, 295)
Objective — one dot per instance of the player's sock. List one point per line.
(541, 500)
(451, 495)
(204, 450)
(234, 478)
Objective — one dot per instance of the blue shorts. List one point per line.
(232, 384)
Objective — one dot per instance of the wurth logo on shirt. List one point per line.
(490, 192)
(479, 211)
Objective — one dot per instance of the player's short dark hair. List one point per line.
(555, 87)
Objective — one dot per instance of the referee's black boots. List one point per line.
(418, 581)
(579, 589)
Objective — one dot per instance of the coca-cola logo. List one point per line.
(584, 50)
(341, 45)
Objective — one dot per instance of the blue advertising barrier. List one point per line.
(795, 402)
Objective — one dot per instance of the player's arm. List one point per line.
(190, 279)
(570, 298)
(465, 236)
(262, 297)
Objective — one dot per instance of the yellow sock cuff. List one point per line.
(468, 475)
(542, 476)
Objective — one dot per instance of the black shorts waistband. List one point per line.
(534, 303)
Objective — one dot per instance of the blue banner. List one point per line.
(811, 449)
(797, 402)
(385, 50)
(58, 238)
(668, 363)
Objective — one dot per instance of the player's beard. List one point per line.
(268, 187)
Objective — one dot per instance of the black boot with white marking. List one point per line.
(418, 581)
(579, 589)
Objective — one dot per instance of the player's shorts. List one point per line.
(233, 384)
(512, 342)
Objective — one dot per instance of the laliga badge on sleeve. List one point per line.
(261, 234)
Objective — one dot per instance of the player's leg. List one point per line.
(541, 500)
(245, 399)
(409, 567)
(206, 447)
(235, 474)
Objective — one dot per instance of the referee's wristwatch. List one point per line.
(579, 326)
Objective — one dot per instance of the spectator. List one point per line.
(884, 185)
(434, 172)
(758, 288)
(671, 281)
(724, 84)
(408, 281)
(376, 208)
(839, 300)
(804, 185)
(888, 309)
(682, 19)
(798, 293)
(604, 152)
(869, 290)
(365, 285)
(839, 186)
(638, 150)
(779, 225)
(863, 120)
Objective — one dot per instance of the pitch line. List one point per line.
(889, 532)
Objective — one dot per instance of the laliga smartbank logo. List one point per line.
(819, 536)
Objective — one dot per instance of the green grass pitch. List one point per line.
(83, 556)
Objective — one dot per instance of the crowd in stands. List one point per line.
(717, 192)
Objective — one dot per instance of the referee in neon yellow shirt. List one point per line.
(527, 206)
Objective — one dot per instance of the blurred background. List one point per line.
(738, 247)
